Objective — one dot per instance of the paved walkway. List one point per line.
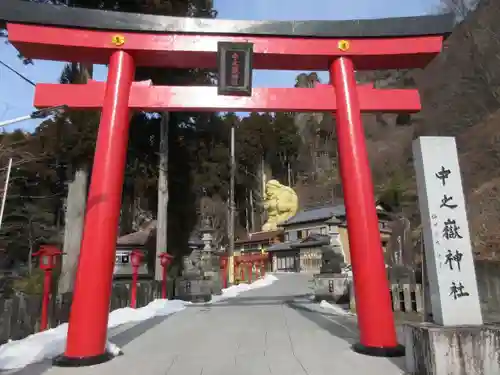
(274, 330)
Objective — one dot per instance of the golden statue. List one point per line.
(280, 202)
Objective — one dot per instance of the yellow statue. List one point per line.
(281, 203)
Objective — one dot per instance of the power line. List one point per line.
(17, 73)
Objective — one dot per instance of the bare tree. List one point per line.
(19, 157)
(482, 41)
(460, 8)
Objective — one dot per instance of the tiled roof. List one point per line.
(141, 237)
(282, 246)
(137, 238)
(316, 214)
(333, 220)
(260, 236)
(313, 241)
(325, 213)
(193, 241)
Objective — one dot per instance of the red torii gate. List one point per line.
(125, 41)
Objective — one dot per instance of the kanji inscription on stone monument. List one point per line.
(448, 252)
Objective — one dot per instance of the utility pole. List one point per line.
(230, 274)
(249, 207)
(263, 177)
(247, 213)
(263, 181)
(162, 215)
(252, 212)
(5, 188)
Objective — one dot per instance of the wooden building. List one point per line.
(311, 232)
(145, 241)
(258, 242)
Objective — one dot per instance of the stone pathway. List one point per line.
(274, 330)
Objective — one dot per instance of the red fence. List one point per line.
(247, 268)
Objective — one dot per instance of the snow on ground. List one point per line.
(234, 290)
(336, 309)
(51, 343)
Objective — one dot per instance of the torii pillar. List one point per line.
(141, 41)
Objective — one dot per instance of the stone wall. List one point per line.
(20, 314)
(488, 282)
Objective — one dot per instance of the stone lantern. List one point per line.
(206, 231)
(209, 257)
(200, 276)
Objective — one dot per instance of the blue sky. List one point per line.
(16, 95)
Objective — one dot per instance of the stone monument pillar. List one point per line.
(456, 342)
(448, 251)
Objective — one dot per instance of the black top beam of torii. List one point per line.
(44, 14)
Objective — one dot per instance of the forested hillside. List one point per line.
(460, 98)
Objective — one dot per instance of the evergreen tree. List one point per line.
(198, 148)
(29, 210)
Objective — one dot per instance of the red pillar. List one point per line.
(133, 288)
(87, 331)
(47, 287)
(373, 303)
(164, 282)
(249, 271)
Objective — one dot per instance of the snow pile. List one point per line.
(113, 349)
(235, 290)
(51, 343)
(336, 309)
(158, 307)
(34, 348)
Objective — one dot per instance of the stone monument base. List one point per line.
(194, 289)
(465, 350)
(215, 281)
(331, 287)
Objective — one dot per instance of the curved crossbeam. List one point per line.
(44, 14)
(200, 51)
